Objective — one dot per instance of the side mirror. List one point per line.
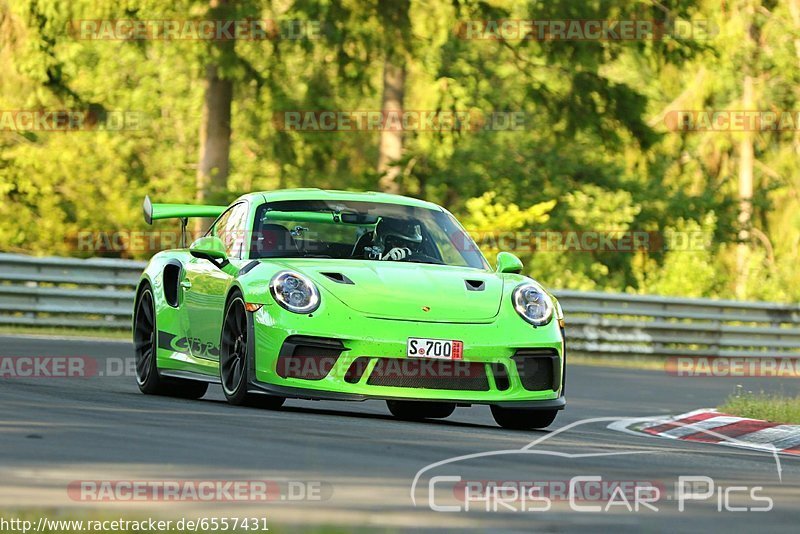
(209, 248)
(508, 263)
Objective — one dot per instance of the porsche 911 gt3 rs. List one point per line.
(335, 295)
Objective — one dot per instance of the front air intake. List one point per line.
(538, 369)
(356, 370)
(308, 358)
(500, 374)
(429, 374)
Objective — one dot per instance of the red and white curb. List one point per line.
(711, 426)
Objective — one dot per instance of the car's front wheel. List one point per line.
(417, 410)
(522, 418)
(145, 350)
(234, 359)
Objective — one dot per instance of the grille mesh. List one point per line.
(429, 374)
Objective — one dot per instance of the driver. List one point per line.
(394, 239)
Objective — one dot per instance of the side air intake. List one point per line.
(309, 358)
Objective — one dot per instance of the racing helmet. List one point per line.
(397, 233)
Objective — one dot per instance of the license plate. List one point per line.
(438, 349)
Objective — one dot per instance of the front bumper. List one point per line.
(369, 343)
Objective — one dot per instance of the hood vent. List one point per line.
(339, 278)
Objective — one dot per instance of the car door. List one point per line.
(205, 285)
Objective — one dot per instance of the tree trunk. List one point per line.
(215, 141)
(391, 144)
(746, 161)
(215, 133)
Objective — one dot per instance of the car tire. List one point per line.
(418, 410)
(234, 359)
(145, 348)
(522, 418)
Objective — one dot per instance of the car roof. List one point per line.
(333, 195)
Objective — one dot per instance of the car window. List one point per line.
(362, 230)
(231, 229)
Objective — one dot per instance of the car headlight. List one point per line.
(533, 304)
(294, 292)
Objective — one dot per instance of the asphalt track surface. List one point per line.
(57, 430)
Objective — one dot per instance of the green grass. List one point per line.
(774, 407)
(66, 332)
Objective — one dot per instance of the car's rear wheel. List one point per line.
(145, 350)
(417, 410)
(522, 418)
(234, 359)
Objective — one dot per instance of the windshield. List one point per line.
(362, 230)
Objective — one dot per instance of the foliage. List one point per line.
(484, 215)
(595, 153)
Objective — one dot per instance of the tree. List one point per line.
(215, 124)
(393, 16)
(594, 152)
(746, 156)
(390, 150)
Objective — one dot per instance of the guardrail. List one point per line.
(98, 293)
(67, 292)
(617, 323)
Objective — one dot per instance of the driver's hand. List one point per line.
(397, 254)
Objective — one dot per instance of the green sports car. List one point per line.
(334, 295)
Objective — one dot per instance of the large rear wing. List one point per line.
(153, 212)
